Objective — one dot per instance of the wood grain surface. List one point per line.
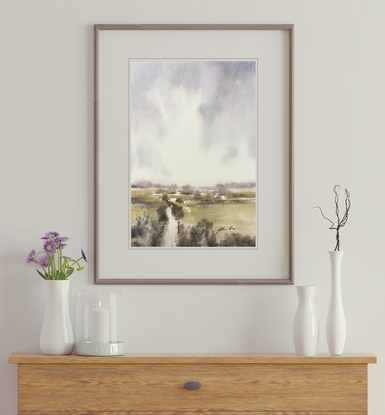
(189, 413)
(215, 358)
(231, 388)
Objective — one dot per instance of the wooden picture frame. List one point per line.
(117, 261)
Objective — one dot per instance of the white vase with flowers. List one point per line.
(57, 336)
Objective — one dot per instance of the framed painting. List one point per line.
(194, 154)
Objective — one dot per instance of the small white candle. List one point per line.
(100, 325)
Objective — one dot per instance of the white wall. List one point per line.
(47, 176)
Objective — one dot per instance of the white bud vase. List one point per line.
(305, 327)
(336, 323)
(57, 336)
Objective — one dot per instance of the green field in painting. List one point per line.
(143, 201)
(235, 210)
(229, 213)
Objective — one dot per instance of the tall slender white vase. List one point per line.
(57, 336)
(305, 327)
(336, 323)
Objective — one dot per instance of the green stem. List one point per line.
(74, 260)
(78, 259)
(49, 262)
(42, 252)
(41, 266)
(59, 259)
(53, 267)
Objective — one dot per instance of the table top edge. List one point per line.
(208, 358)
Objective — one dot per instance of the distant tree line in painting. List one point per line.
(173, 188)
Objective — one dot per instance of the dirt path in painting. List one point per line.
(172, 229)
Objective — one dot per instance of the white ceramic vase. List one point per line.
(305, 327)
(57, 336)
(336, 323)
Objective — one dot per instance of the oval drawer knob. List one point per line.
(192, 386)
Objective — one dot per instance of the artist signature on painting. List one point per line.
(223, 228)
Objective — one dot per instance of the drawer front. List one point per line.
(257, 388)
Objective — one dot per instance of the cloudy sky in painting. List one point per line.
(193, 121)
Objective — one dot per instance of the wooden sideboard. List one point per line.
(151, 384)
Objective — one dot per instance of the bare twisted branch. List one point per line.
(332, 227)
(340, 222)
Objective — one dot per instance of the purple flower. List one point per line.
(50, 235)
(44, 261)
(61, 239)
(67, 257)
(31, 257)
(84, 256)
(49, 247)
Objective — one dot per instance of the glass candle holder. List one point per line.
(99, 323)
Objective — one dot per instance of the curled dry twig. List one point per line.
(341, 222)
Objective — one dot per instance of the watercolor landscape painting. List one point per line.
(193, 153)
